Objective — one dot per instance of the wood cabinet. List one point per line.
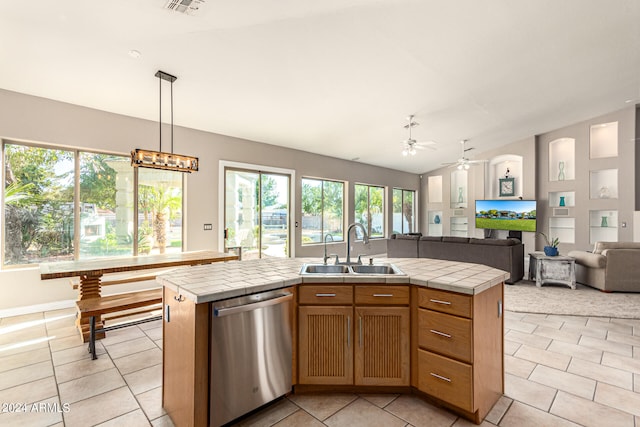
(185, 356)
(353, 334)
(459, 349)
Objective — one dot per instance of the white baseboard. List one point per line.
(57, 305)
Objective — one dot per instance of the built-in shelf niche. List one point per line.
(435, 223)
(562, 198)
(435, 188)
(603, 140)
(459, 226)
(562, 159)
(603, 184)
(603, 226)
(459, 189)
(499, 167)
(562, 228)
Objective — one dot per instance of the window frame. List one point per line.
(414, 224)
(322, 211)
(383, 209)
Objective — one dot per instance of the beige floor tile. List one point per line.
(60, 321)
(163, 421)
(144, 379)
(461, 422)
(125, 348)
(62, 332)
(529, 392)
(520, 326)
(605, 374)
(589, 413)
(520, 415)
(26, 374)
(12, 336)
(135, 362)
(618, 398)
(60, 312)
(42, 413)
(512, 315)
(270, 415)
(608, 346)
(82, 368)
(544, 357)
(576, 351)
(610, 326)
(571, 383)
(90, 385)
(24, 359)
(361, 413)
(151, 403)
(636, 383)
(419, 413)
(154, 334)
(158, 344)
(13, 320)
(616, 361)
(25, 345)
(624, 338)
(528, 339)
(122, 335)
(517, 366)
(510, 347)
(33, 391)
(134, 418)
(72, 354)
(380, 400)
(299, 418)
(569, 320)
(151, 325)
(543, 320)
(557, 334)
(587, 331)
(322, 406)
(64, 343)
(499, 409)
(100, 408)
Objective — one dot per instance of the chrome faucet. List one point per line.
(365, 239)
(326, 257)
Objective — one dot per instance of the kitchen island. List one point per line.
(436, 330)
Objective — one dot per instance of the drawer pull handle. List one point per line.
(382, 295)
(437, 301)
(325, 295)
(442, 334)
(440, 377)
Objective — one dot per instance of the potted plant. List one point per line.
(551, 247)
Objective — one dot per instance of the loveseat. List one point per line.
(505, 254)
(611, 267)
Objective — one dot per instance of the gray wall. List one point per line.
(33, 119)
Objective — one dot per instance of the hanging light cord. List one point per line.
(160, 112)
(171, 116)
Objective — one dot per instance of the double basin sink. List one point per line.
(341, 269)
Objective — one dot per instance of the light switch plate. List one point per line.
(208, 227)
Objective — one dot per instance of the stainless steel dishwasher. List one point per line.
(250, 353)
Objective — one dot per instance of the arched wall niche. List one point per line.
(497, 169)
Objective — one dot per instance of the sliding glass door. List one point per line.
(257, 213)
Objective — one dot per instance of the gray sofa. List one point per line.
(611, 267)
(505, 254)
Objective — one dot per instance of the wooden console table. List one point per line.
(91, 272)
(552, 269)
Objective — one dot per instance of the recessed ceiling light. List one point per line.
(134, 53)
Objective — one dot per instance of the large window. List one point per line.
(404, 211)
(369, 209)
(322, 210)
(62, 204)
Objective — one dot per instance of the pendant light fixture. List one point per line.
(158, 159)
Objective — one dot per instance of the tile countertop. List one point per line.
(213, 282)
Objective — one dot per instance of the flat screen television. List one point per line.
(514, 215)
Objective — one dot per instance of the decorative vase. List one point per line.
(436, 219)
(604, 192)
(604, 222)
(550, 251)
(561, 171)
(561, 201)
(460, 198)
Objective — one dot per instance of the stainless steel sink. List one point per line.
(324, 269)
(375, 269)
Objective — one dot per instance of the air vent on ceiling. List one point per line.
(188, 7)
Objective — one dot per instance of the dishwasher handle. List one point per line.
(221, 312)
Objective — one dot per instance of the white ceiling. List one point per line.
(337, 77)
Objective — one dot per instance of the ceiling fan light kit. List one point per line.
(410, 144)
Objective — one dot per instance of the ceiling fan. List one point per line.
(410, 145)
(463, 163)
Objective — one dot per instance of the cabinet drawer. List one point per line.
(325, 294)
(446, 379)
(445, 334)
(382, 294)
(445, 302)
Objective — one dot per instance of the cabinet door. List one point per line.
(325, 353)
(185, 391)
(382, 346)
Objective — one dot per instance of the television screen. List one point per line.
(517, 215)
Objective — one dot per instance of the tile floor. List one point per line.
(559, 371)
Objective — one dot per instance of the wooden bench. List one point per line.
(147, 299)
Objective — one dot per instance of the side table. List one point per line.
(552, 269)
